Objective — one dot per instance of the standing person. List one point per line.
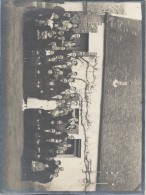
(61, 135)
(59, 112)
(34, 103)
(71, 36)
(62, 73)
(75, 37)
(51, 72)
(38, 89)
(69, 44)
(67, 54)
(58, 121)
(66, 117)
(45, 37)
(58, 169)
(39, 166)
(68, 64)
(40, 19)
(65, 25)
(67, 95)
(45, 125)
(54, 165)
(46, 153)
(51, 60)
(51, 88)
(64, 146)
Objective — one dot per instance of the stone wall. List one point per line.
(102, 7)
(89, 22)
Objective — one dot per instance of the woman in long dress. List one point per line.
(34, 103)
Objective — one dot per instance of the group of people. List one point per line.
(49, 57)
(45, 137)
(49, 98)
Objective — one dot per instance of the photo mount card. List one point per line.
(73, 97)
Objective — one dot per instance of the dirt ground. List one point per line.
(13, 65)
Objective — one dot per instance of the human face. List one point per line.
(53, 131)
(65, 80)
(72, 95)
(57, 163)
(48, 131)
(60, 57)
(49, 35)
(52, 140)
(64, 28)
(62, 48)
(71, 80)
(73, 54)
(58, 133)
(73, 88)
(71, 137)
(56, 170)
(59, 97)
(51, 176)
(56, 25)
(56, 175)
(73, 44)
(68, 15)
(46, 166)
(51, 59)
(56, 112)
(60, 72)
(74, 73)
(69, 63)
(50, 72)
(64, 66)
(51, 158)
(51, 83)
(61, 169)
(74, 63)
(74, 103)
(63, 101)
(49, 52)
(77, 35)
(53, 32)
(55, 16)
(61, 112)
(59, 122)
(61, 152)
(75, 25)
(60, 33)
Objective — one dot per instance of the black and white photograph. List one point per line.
(73, 86)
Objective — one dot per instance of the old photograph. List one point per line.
(73, 76)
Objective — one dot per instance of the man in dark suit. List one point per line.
(50, 89)
(45, 152)
(61, 135)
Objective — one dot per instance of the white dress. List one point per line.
(34, 103)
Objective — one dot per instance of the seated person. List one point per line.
(38, 166)
(43, 177)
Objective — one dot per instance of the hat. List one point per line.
(59, 10)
